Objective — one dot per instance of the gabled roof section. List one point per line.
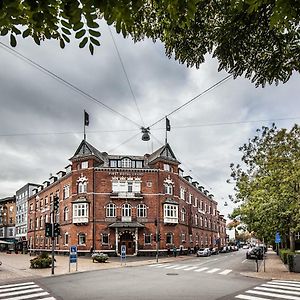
(163, 153)
(85, 149)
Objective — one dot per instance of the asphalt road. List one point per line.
(215, 277)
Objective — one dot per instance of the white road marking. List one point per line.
(213, 270)
(247, 297)
(287, 281)
(277, 290)
(244, 261)
(200, 270)
(281, 287)
(172, 266)
(180, 267)
(17, 284)
(21, 292)
(281, 296)
(18, 288)
(162, 266)
(283, 283)
(190, 268)
(225, 272)
(31, 296)
(156, 265)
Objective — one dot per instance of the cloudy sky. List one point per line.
(41, 117)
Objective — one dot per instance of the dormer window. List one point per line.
(168, 188)
(126, 163)
(84, 165)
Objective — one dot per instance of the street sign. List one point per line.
(277, 238)
(73, 256)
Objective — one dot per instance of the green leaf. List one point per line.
(16, 30)
(91, 47)
(91, 24)
(83, 42)
(66, 24)
(37, 40)
(4, 31)
(95, 41)
(80, 34)
(62, 43)
(66, 38)
(78, 26)
(66, 31)
(13, 41)
(26, 32)
(94, 33)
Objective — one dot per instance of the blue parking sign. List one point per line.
(277, 238)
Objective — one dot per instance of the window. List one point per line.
(66, 192)
(141, 211)
(205, 222)
(191, 238)
(66, 238)
(170, 213)
(66, 214)
(166, 167)
(41, 221)
(37, 223)
(190, 198)
(149, 184)
(183, 237)
(169, 238)
(201, 221)
(196, 219)
(129, 186)
(82, 187)
(113, 163)
(138, 164)
(80, 210)
(195, 202)
(168, 188)
(183, 214)
(126, 163)
(182, 193)
(11, 232)
(81, 239)
(84, 165)
(126, 210)
(297, 236)
(105, 238)
(111, 210)
(30, 224)
(147, 239)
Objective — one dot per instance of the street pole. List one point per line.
(264, 255)
(52, 239)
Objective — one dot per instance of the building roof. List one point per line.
(165, 152)
(8, 199)
(86, 149)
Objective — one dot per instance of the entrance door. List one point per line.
(127, 240)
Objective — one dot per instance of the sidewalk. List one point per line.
(274, 269)
(17, 266)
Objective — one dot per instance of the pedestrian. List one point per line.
(92, 250)
(174, 251)
(169, 251)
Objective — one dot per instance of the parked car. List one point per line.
(255, 252)
(203, 252)
(224, 249)
(246, 247)
(214, 251)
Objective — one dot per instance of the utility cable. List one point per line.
(64, 82)
(126, 141)
(126, 75)
(194, 98)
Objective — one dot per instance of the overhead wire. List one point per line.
(124, 142)
(126, 75)
(64, 82)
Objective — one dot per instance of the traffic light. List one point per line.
(56, 229)
(55, 203)
(158, 237)
(48, 229)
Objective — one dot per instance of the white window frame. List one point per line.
(66, 191)
(169, 236)
(126, 163)
(182, 193)
(82, 187)
(183, 214)
(84, 164)
(110, 210)
(170, 213)
(66, 238)
(81, 239)
(142, 211)
(66, 214)
(148, 235)
(126, 210)
(168, 188)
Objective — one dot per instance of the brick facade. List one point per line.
(128, 200)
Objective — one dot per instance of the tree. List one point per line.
(258, 39)
(267, 184)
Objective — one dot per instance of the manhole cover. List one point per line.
(172, 274)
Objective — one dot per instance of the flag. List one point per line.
(86, 119)
(168, 125)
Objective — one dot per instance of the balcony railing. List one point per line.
(170, 220)
(80, 220)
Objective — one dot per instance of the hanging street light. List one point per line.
(146, 134)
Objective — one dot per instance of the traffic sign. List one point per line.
(277, 238)
(73, 254)
(123, 251)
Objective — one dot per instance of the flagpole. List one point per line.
(166, 140)
(84, 134)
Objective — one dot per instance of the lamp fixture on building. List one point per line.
(145, 132)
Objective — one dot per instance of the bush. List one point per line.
(283, 255)
(41, 261)
(290, 261)
(99, 257)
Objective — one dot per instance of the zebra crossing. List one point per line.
(196, 269)
(24, 291)
(275, 289)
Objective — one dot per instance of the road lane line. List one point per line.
(277, 290)
(30, 296)
(202, 269)
(162, 266)
(190, 268)
(225, 272)
(281, 296)
(155, 265)
(244, 261)
(282, 287)
(213, 270)
(246, 297)
(19, 288)
(17, 284)
(287, 281)
(181, 267)
(172, 266)
(22, 292)
(283, 283)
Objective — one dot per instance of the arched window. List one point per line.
(183, 214)
(169, 238)
(81, 239)
(196, 219)
(201, 221)
(126, 210)
(205, 222)
(82, 187)
(66, 214)
(110, 210)
(142, 210)
(168, 188)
